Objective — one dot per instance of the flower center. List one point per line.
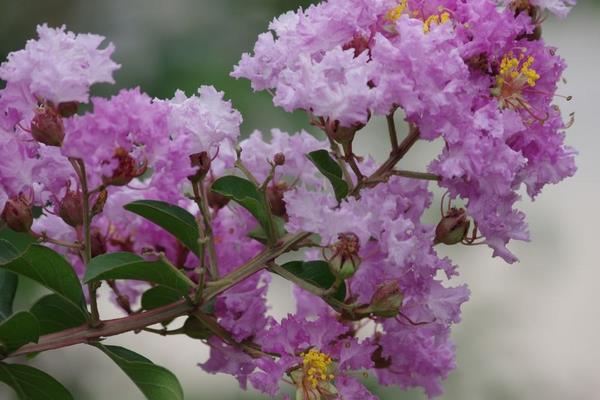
(435, 19)
(316, 366)
(516, 76)
(395, 13)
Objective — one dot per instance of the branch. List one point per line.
(395, 156)
(85, 333)
(136, 322)
(392, 131)
(416, 175)
(79, 167)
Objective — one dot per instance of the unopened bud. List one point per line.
(98, 242)
(201, 162)
(279, 159)
(70, 208)
(47, 127)
(17, 214)
(127, 169)
(386, 301)
(453, 227)
(345, 260)
(275, 195)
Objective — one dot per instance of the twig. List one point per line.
(79, 167)
(392, 131)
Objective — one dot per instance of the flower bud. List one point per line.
(279, 159)
(68, 109)
(387, 300)
(275, 195)
(453, 227)
(345, 260)
(47, 127)
(127, 169)
(98, 244)
(17, 214)
(201, 162)
(216, 201)
(70, 208)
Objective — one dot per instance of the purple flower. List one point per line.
(314, 354)
(58, 67)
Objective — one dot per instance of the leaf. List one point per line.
(332, 171)
(159, 296)
(317, 273)
(20, 241)
(8, 289)
(18, 330)
(46, 267)
(56, 314)
(243, 192)
(132, 266)
(260, 235)
(155, 382)
(175, 220)
(32, 384)
(196, 329)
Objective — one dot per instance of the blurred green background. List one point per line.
(529, 331)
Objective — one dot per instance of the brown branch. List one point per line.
(392, 131)
(416, 175)
(139, 321)
(85, 333)
(396, 155)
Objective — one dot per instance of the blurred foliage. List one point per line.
(165, 46)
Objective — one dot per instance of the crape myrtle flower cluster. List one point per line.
(373, 296)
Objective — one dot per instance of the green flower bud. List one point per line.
(345, 260)
(453, 227)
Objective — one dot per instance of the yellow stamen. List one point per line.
(395, 13)
(435, 20)
(316, 367)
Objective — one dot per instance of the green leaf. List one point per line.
(175, 220)
(8, 289)
(32, 384)
(317, 273)
(132, 266)
(46, 267)
(159, 296)
(243, 192)
(260, 235)
(332, 171)
(18, 330)
(196, 329)
(155, 382)
(20, 241)
(56, 314)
